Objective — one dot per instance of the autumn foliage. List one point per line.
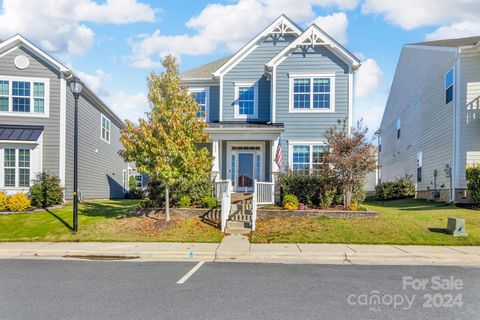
(164, 145)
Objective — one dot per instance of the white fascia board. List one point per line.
(17, 39)
(415, 46)
(236, 58)
(211, 80)
(327, 40)
(244, 130)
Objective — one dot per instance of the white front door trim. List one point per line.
(235, 153)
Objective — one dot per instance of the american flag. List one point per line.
(278, 154)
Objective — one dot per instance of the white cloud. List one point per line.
(456, 30)
(96, 81)
(411, 14)
(115, 11)
(130, 106)
(58, 24)
(230, 26)
(368, 78)
(371, 116)
(335, 25)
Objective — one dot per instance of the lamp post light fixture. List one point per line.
(76, 86)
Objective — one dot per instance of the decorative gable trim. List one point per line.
(312, 37)
(281, 26)
(18, 40)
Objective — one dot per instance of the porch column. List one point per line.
(216, 160)
(275, 171)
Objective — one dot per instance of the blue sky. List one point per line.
(114, 44)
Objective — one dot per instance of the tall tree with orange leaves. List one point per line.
(164, 145)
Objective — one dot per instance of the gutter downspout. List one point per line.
(456, 128)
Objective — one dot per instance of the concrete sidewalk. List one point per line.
(239, 249)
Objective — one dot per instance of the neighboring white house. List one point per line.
(431, 126)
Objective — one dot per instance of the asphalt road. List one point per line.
(59, 289)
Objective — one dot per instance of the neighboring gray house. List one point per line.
(430, 128)
(36, 127)
(287, 84)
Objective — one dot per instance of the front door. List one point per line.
(245, 177)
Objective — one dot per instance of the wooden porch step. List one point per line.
(240, 196)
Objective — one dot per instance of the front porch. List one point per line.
(244, 152)
(244, 164)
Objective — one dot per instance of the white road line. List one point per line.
(190, 273)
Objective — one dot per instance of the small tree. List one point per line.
(132, 183)
(351, 157)
(473, 182)
(164, 145)
(46, 190)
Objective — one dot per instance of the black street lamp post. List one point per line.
(76, 86)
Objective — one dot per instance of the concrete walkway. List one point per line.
(237, 248)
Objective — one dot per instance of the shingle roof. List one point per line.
(454, 43)
(20, 133)
(205, 71)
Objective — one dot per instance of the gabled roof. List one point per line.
(205, 71)
(314, 36)
(281, 25)
(18, 40)
(452, 43)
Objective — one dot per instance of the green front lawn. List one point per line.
(97, 222)
(399, 222)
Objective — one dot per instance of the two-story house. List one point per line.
(287, 85)
(36, 127)
(431, 125)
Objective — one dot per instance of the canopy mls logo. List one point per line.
(440, 293)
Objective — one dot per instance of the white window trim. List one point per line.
(207, 98)
(36, 163)
(237, 85)
(311, 76)
(11, 113)
(309, 143)
(109, 128)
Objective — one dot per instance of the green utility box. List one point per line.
(456, 227)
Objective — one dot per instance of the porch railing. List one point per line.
(223, 192)
(254, 205)
(265, 192)
(220, 187)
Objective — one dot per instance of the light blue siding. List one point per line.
(310, 125)
(252, 69)
(213, 106)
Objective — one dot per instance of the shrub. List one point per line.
(473, 182)
(352, 207)
(135, 193)
(197, 190)
(326, 197)
(46, 190)
(184, 202)
(3, 201)
(132, 183)
(306, 187)
(209, 202)
(290, 202)
(18, 202)
(399, 189)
